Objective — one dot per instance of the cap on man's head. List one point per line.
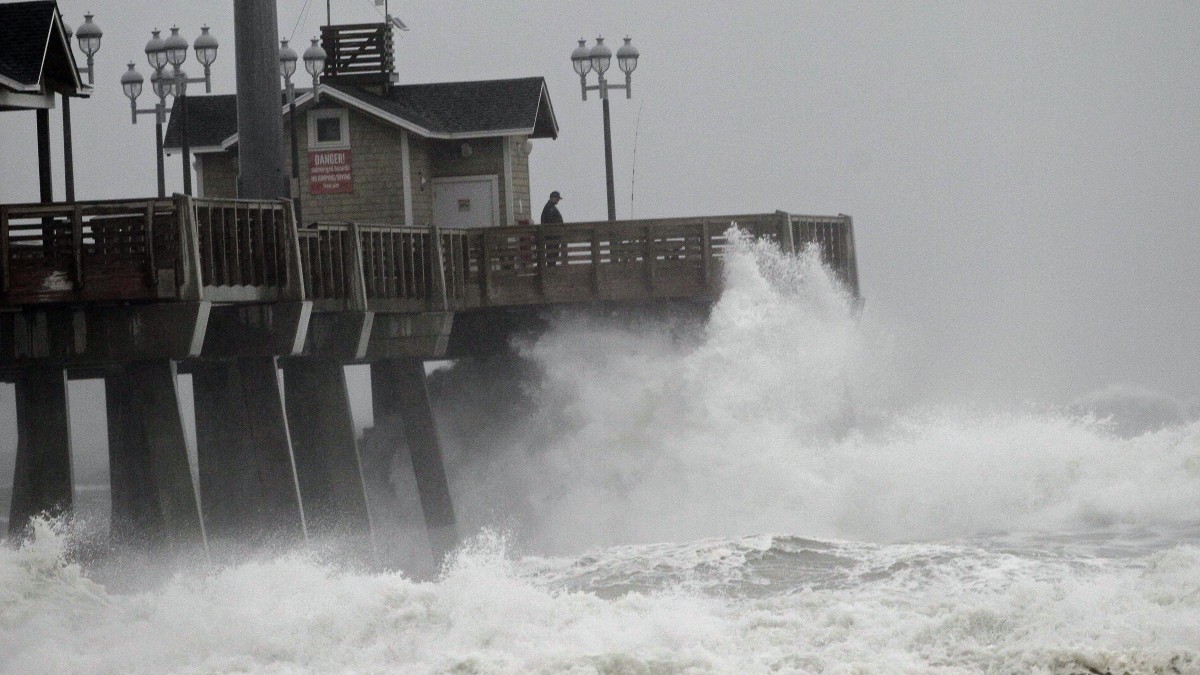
(555, 195)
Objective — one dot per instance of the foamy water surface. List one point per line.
(750, 497)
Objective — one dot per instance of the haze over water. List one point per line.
(748, 494)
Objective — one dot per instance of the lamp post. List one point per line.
(599, 58)
(159, 54)
(88, 36)
(314, 63)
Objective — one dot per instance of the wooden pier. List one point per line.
(233, 292)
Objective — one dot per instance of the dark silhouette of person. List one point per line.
(550, 214)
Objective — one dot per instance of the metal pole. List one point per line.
(68, 153)
(262, 171)
(187, 147)
(158, 144)
(608, 163)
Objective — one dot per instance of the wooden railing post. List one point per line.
(438, 302)
(354, 269)
(648, 256)
(191, 287)
(706, 251)
(77, 244)
(485, 267)
(540, 243)
(151, 263)
(787, 242)
(5, 260)
(294, 289)
(851, 257)
(596, 260)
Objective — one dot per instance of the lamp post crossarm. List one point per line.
(158, 111)
(88, 70)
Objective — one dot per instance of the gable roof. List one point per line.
(35, 52)
(211, 119)
(446, 110)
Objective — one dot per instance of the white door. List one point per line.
(467, 201)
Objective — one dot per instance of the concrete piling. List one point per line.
(400, 399)
(154, 501)
(42, 479)
(248, 485)
(327, 459)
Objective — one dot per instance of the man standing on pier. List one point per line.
(550, 214)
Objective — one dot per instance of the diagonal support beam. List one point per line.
(400, 399)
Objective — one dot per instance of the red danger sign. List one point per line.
(329, 172)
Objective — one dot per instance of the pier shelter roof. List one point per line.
(36, 61)
(439, 110)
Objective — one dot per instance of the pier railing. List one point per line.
(251, 251)
(380, 267)
(178, 248)
(628, 260)
(246, 250)
(107, 250)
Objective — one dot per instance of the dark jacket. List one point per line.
(550, 214)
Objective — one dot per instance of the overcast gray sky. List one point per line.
(1021, 175)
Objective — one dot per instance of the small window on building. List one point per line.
(329, 128)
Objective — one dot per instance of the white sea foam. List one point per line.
(780, 417)
(916, 608)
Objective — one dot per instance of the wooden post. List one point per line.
(77, 245)
(540, 243)
(787, 242)
(439, 300)
(327, 460)
(45, 178)
(485, 268)
(851, 256)
(400, 399)
(191, 286)
(68, 150)
(5, 261)
(42, 477)
(706, 252)
(151, 263)
(354, 268)
(648, 256)
(596, 261)
(248, 484)
(154, 500)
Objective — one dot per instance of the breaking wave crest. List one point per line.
(780, 415)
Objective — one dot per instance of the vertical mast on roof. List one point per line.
(261, 173)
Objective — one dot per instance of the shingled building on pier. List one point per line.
(453, 154)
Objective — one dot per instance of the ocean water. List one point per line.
(749, 495)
